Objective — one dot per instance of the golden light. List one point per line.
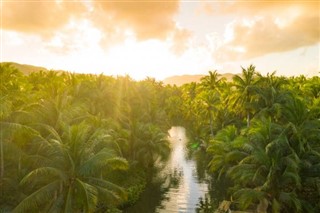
(140, 59)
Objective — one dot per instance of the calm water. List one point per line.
(185, 196)
(176, 188)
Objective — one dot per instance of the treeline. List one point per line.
(79, 142)
(261, 138)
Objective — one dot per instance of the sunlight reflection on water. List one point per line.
(185, 196)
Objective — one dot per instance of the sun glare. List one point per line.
(139, 59)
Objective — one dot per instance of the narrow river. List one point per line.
(176, 189)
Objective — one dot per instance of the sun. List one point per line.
(149, 58)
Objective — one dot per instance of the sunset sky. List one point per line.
(164, 37)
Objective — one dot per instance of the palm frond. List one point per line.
(107, 188)
(89, 195)
(42, 173)
(36, 199)
(216, 163)
(56, 203)
(235, 156)
(51, 130)
(290, 199)
(11, 127)
(276, 206)
(102, 160)
(289, 177)
(248, 196)
(68, 201)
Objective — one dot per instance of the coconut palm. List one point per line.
(270, 173)
(14, 161)
(271, 96)
(206, 104)
(245, 86)
(225, 149)
(153, 145)
(303, 130)
(212, 81)
(74, 177)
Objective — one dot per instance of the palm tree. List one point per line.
(153, 145)
(46, 84)
(225, 149)
(271, 96)
(226, 113)
(174, 109)
(303, 130)
(212, 81)
(74, 177)
(154, 95)
(209, 101)
(270, 173)
(245, 85)
(13, 137)
(13, 92)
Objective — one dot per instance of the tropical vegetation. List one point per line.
(261, 138)
(78, 142)
(90, 143)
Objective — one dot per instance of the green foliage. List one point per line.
(261, 134)
(67, 139)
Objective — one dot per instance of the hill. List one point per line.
(173, 80)
(25, 68)
(184, 79)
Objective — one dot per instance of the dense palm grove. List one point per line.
(261, 136)
(89, 143)
(78, 142)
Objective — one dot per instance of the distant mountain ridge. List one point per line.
(25, 68)
(184, 79)
(172, 80)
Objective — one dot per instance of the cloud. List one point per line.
(55, 21)
(206, 8)
(180, 41)
(251, 8)
(264, 28)
(265, 36)
(38, 17)
(73, 38)
(140, 20)
(147, 19)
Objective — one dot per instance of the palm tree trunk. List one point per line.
(262, 206)
(211, 128)
(1, 163)
(2, 159)
(247, 109)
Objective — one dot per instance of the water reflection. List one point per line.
(176, 188)
(185, 196)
